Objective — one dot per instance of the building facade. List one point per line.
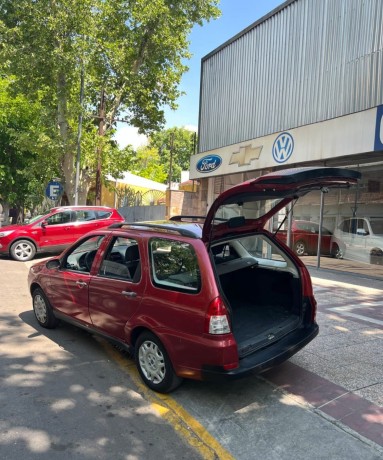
(301, 86)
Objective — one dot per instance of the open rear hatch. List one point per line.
(261, 283)
(249, 205)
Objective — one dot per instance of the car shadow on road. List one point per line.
(66, 394)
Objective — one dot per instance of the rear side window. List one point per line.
(174, 265)
(103, 214)
(85, 215)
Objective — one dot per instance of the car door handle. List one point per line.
(81, 283)
(129, 293)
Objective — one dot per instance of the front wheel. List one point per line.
(23, 250)
(43, 310)
(336, 252)
(154, 365)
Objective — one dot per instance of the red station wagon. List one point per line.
(54, 231)
(208, 301)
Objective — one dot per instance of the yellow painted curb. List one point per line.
(186, 425)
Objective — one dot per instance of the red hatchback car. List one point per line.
(305, 236)
(214, 300)
(54, 231)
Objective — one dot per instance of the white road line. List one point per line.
(345, 311)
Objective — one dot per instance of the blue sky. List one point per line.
(236, 16)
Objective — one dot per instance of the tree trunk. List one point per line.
(68, 161)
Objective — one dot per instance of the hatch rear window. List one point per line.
(252, 209)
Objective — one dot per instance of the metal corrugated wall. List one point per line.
(310, 61)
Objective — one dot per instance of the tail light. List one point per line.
(307, 292)
(216, 320)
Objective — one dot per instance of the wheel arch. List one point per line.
(27, 238)
(34, 286)
(137, 331)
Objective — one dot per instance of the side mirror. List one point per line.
(44, 223)
(53, 264)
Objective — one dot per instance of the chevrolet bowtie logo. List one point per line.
(246, 155)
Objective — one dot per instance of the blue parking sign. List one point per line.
(379, 129)
(54, 190)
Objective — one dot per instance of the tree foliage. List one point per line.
(168, 151)
(175, 145)
(27, 158)
(146, 163)
(133, 51)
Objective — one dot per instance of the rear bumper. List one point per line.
(264, 359)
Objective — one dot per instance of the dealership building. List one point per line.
(302, 86)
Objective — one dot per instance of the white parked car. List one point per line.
(361, 239)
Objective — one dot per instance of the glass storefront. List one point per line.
(352, 226)
(354, 218)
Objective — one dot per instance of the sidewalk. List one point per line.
(346, 271)
(340, 373)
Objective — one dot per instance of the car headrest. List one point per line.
(132, 253)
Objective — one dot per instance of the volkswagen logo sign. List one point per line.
(283, 147)
(209, 163)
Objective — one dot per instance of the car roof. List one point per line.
(188, 229)
(79, 207)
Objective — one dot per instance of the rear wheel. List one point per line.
(300, 248)
(23, 250)
(43, 310)
(154, 365)
(376, 257)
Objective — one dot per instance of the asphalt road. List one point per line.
(67, 394)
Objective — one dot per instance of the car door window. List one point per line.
(122, 260)
(60, 218)
(81, 258)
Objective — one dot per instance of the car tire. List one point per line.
(376, 257)
(154, 365)
(300, 248)
(336, 252)
(43, 310)
(23, 250)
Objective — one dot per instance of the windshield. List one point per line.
(247, 209)
(36, 218)
(377, 226)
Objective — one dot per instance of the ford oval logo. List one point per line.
(209, 163)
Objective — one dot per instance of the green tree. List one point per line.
(27, 160)
(146, 163)
(131, 54)
(175, 145)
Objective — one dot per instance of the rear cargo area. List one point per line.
(265, 304)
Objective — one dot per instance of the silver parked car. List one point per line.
(361, 239)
